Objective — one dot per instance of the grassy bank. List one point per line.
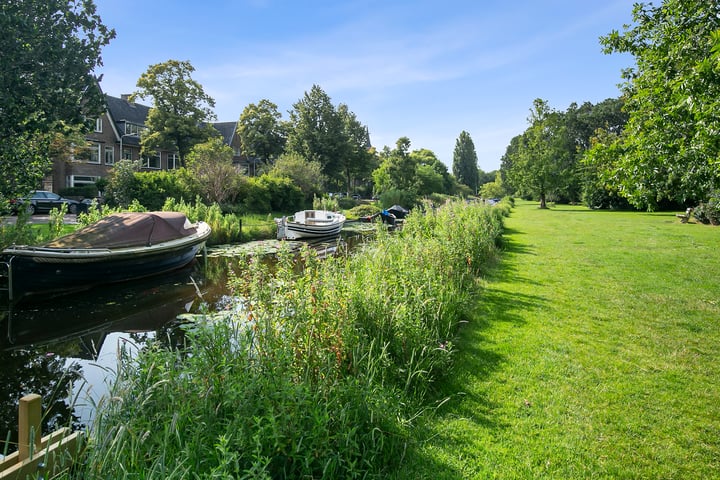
(592, 354)
(313, 372)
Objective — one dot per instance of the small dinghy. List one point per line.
(310, 224)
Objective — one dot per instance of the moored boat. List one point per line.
(310, 224)
(117, 248)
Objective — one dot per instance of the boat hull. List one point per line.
(303, 226)
(50, 271)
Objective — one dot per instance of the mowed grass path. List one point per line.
(595, 353)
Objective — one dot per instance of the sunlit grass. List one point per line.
(593, 354)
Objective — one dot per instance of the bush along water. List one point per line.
(317, 369)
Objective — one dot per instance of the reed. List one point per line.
(226, 228)
(317, 370)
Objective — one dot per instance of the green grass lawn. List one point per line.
(595, 353)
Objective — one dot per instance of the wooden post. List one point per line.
(54, 453)
(29, 434)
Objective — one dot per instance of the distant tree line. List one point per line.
(654, 147)
(546, 161)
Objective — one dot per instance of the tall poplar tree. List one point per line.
(465, 162)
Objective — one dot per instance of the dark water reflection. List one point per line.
(65, 348)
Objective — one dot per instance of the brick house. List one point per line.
(116, 136)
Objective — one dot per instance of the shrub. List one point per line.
(405, 198)
(363, 210)
(86, 191)
(153, 188)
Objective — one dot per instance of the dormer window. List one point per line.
(133, 129)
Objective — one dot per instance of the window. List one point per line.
(80, 180)
(152, 162)
(109, 155)
(94, 149)
(133, 129)
(98, 125)
(173, 161)
(127, 154)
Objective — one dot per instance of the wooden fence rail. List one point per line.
(37, 455)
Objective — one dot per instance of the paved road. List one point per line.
(38, 218)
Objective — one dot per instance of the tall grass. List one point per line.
(226, 228)
(23, 232)
(317, 370)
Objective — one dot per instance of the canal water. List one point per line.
(66, 348)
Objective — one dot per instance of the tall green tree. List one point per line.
(181, 109)
(48, 51)
(358, 160)
(539, 162)
(261, 131)
(670, 145)
(433, 175)
(316, 132)
(465, 162)
(398, 169)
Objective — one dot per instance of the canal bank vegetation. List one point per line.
(313, 372)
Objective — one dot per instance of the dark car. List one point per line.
(41, 201)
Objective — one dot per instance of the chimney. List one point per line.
(125, 96)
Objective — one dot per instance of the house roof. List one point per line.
(123, 111)
(227, 130)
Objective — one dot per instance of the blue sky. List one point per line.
(423, 69)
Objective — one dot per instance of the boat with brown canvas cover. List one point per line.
(117, 248)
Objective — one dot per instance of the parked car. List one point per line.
(41, 201)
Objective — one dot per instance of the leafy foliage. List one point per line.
(122, 186)
(268, 193)
(318, 131)
(211, 165)
(549, 159)
(538, 161)
(305, 174)
(465, 167)
(398, 169)
(49, 51)
(181, 110)
(671, 146)
(262, 134)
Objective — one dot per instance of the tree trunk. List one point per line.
(543, 203)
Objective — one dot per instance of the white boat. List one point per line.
(310, 224)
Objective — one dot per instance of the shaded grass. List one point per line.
(593, 354)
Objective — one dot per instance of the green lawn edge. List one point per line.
(593, 354)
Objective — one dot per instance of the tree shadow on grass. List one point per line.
(467, 403)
